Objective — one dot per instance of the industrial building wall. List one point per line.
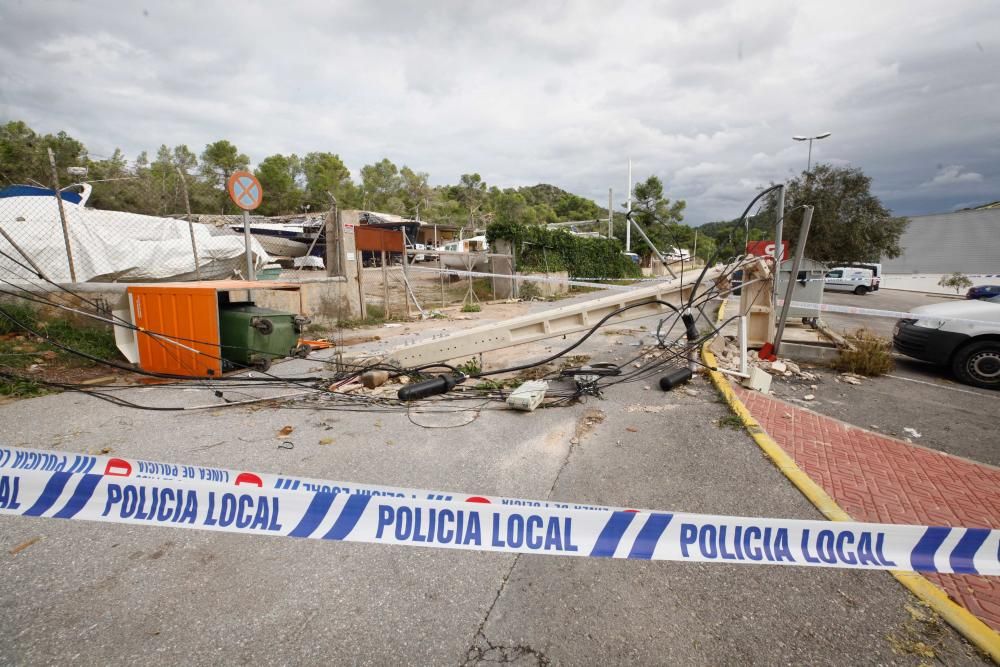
(965, 241)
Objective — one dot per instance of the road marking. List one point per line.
(942, 386)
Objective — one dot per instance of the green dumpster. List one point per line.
(253, 336)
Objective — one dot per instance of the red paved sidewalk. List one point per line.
(885, 480)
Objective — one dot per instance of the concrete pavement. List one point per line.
(116, 594)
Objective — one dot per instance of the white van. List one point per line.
(849, 279)
(963, 335)
(875, 267)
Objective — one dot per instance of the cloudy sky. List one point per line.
(705, 94)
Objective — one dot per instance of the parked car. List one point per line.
(983, 292)
(971, 349)
(849, 279)
(419, 248)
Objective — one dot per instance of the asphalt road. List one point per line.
(884, 299)
(116, 594)
(949, 416)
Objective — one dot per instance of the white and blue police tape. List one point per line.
(935, 320)
(80, 490)
(16, 458)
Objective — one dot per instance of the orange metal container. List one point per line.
(187, 318)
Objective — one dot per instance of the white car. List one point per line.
(849, 279)
(963, 335)
(419, 256)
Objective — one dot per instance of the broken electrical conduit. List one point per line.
(679, 376)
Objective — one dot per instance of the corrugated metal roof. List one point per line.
(964, 241)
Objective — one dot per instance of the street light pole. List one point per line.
(824, 135)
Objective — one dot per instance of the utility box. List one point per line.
(808, 287)
(193, 330)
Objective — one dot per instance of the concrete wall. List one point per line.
(928, 282)
(323, 299)
(556, 283)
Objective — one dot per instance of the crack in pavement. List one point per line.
(482, 649)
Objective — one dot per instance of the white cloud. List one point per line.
(705, 95)
(952, 175)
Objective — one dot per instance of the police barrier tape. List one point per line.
(894, 314)
(76, 494)
(16, 458)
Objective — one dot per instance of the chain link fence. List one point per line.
(54, 234)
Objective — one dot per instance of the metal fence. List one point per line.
(450, 278)
(55, 234)
(142, 230)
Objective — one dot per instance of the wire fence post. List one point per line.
(251, 269)
(469, 265)
(26, 256)
(333, 236)
(493, 277)
(62, 216)
(385, 284)
(514, 291)
(441, 275)
(406, 284)
(359, 265)
(194, 243)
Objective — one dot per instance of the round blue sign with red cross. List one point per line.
(244, 189)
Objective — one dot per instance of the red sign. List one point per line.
(766, 249)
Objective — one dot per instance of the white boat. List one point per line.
(465, 254)
(286, 239)
(111, 246)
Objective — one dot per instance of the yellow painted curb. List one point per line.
(956, 615)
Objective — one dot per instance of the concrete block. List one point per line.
(759, 380)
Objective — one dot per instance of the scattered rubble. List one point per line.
(728, 356)
(808, 397)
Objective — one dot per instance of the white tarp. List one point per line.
(112, 246)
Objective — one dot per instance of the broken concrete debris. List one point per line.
(728, 356)
(372, 379)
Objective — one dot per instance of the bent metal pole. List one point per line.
(800, 247)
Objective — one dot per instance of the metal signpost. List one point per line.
(245, 191)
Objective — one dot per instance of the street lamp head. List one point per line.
(799, 138)
(824, 135)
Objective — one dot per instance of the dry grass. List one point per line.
(872, 354)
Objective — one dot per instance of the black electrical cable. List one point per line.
(579, 341)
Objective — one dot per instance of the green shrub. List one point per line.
(539, 249)
(872, 354)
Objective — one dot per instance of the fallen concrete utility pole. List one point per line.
(551, 323)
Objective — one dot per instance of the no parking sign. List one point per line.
(245, 191)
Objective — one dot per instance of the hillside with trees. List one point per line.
(292, 183)
(849, 224)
